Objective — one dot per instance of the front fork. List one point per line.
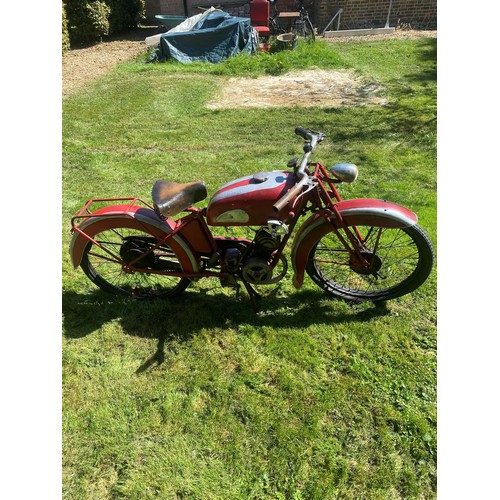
(362, 259)
(356, 246)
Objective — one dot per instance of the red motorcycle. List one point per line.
(359, 250)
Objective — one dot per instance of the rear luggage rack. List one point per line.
(85, 212)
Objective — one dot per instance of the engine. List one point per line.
(267, 241)
(256, 268)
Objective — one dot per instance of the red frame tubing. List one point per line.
(134, 217)
(363, 211)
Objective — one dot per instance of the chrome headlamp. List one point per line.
(345, 172)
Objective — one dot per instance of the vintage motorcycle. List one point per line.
(358, 249)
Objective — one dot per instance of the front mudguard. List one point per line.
(363, 211)
(134, 217)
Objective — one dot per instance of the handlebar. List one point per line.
(312, 138)
(304, 133)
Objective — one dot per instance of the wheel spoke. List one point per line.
(127, 245)
(394, 255)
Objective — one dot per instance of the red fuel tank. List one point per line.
(249, 201)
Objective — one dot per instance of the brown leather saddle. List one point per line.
(170, 198)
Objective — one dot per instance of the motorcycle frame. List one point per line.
(203, 243)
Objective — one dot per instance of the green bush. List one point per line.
(125, 14)
(65, 33)
(88, 20)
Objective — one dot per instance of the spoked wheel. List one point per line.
(104, 266)
(400, 260)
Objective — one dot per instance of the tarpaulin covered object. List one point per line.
(213, 38)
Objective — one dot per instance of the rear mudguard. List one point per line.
(134, 217)
(363, 211)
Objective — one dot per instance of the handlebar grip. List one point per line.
(304, 133)
(280, 204)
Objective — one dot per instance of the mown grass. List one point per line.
(199, 397)
(273, 62)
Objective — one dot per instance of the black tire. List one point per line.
(125, 243)
(403, 261)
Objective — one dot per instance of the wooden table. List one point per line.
(289, 18)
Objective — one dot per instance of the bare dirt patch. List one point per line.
(303, 88)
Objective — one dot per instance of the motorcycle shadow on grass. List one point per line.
(183, 317)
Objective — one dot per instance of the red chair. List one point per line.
(259, 16)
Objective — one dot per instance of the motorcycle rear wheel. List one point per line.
(401, 263)
(126, 244)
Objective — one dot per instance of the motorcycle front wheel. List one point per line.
(401, 260)
(103, 266)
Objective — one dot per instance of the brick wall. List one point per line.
(373, 13)
(169, 7)
(357, 13)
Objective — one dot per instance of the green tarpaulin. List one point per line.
(214, 38)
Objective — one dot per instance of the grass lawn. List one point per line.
(199, 397)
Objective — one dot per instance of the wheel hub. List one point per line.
(371, 263)
(133, 249)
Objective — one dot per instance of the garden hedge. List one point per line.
(91, 20)
(65, 33)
